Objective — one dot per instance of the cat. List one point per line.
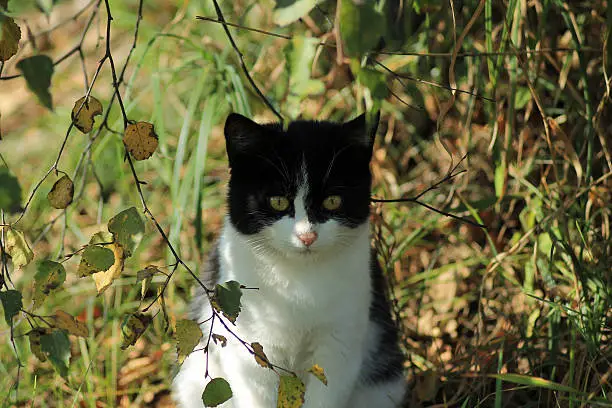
(298, 231)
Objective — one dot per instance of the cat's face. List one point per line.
(300, 192)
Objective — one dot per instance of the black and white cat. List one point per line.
(298, 230)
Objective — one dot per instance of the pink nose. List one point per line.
(308, 238)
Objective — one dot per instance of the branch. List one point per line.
(449, 176)
(475, 54)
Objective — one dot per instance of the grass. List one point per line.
(517, 314)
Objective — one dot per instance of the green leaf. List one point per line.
(37, 71)
(534, 382)
(133, 326)
(288, 11)
(19, 6)
(46, 6)
(226, 299)
(17, 247)
(35, 347)
(56, 346)
(217, 391)
(291, 392)
(522, 97)
(12, 303)
(299, 54)
(500, 179)
(95, 259)
(480, 205)
(10, 191)
(361, 27)
(49, 276)
(375, 81)
(127, 228)
(107, 162)
(188, 334)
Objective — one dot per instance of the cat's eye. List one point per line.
(279, 203)
(332, 202)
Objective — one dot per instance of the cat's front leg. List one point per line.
(340, 355)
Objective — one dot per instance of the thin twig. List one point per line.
(399, 76)
(396, 96)
(55, 164)
(255, 30)
(242, 63)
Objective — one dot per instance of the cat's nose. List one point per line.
(308, 238)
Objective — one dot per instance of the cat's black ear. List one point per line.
(363, 128)
(242, 135)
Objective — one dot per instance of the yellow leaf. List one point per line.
(61, 193)
(260, 356)
(144, 287)
(84, 119)
(427, 385)
(188, 334)
(161, 299)
(133, 326)
(568, 151)
(10, 34)
(95, 258)
(105, 278)
(140, 140)
(147, 273)
(65, 321)
(17, 247)
(291, 392)
(217, 338)
(35, 346)
(318, 372)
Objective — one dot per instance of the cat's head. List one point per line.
(300, 192)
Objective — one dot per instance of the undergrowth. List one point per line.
(517, 314)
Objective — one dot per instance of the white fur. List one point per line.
(311, 307)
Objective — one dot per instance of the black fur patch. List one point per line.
(386, 362)
(267, 161)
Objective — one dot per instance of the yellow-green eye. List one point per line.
(332, 202)
(279, 203)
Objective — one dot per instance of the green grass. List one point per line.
(514, 315)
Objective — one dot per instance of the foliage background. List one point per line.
(529, 295)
